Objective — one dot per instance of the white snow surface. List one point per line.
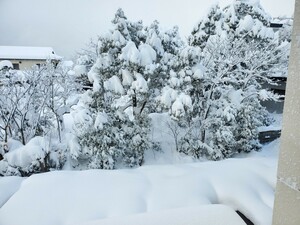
(143, 56)
(246, 23)
(26, 52)
(130, 53)
(23, 156)
(67, 64)
(100, 120)
(114, 84)
(276, 125)
(8, 186)
(208, 214)
(198, 71)
(155, 41)
(5, 63)
(168, 96)
(118, 37)
(177, 109)
(127, 78)
(152, 191)
(79, 70)
(147, 54)
(140, 84)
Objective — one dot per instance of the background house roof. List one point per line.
(22, 52)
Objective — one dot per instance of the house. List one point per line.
(282, 28)
(23, 57)
(278, 87)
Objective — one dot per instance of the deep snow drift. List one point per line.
(207, 214)
(87, 197)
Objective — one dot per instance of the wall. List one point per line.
(27, 64)
(287, 196)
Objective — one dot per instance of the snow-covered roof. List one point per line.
(282, 20)
(5, 63)
(22, 52)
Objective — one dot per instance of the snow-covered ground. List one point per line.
(201, 192)
(206, 214)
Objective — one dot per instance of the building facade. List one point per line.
(23, 58)
(287, 196)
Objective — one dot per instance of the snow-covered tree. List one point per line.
(247, 19)
(283, 36)
(168, 45)
(116, 108)
(84, 62)
(20, 105)
(284, 33)
(60, 87)
(209, 25)
(33, 104)
(235, 61)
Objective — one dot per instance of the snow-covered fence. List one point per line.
(268, 136)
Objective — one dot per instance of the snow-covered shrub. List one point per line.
(33, 103)
(38, 155)
(20, 105)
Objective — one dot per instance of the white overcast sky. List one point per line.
(66, 25)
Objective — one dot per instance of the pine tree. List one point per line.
(227, 99)
(121, 93)
(209, 25)
(248, 20)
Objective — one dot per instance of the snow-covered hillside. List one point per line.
(201, 188)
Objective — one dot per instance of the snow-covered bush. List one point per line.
(38, 155)
(20, 105)
(33, 103)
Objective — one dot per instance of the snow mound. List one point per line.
(80, 70)
(114, 84)
(143, 56)
(25, 52)
(208, 215)
(130, 53)
(8, 186)
(140, 84)
(101, 119)
(127, 78)
(23, 157)
(147, 54)
(69, 197)
(5, 64)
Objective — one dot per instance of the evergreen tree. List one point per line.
(121, 93)
(227, 99)
(209, 25)
(248, 20)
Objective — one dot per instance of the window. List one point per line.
(16, 66)
(279, 92)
